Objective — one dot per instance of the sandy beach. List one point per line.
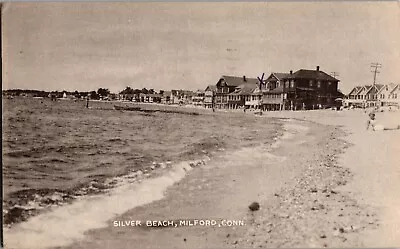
(323, 181)
(319, 186)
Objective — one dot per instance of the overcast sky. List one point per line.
(84, 46)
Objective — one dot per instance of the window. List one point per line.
(329, 83)
(319, 84)
(292, 83)
(383, 96)
(311, 83)
(287, 84)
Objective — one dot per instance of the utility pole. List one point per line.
(375, 70)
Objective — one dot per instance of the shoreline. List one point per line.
(223, 190)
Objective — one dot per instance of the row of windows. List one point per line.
(274, 96)
(234, 97)
(310, 83)
(374, 96)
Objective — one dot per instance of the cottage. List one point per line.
(387, 95)
(395, 95)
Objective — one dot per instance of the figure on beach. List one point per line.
(375, 126)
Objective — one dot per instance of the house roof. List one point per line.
(276, 90)
(395, 88)
(237, 81)
(211, 87)
(310, 74)
(280, 76)
(355, 90)
(378, 87)
(245, 89)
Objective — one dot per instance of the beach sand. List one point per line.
(318, 186)
(325, 182)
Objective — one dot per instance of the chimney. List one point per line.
(291, 72)
(317, 68)
(244, 78)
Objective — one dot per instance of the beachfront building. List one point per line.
(372, 96)
(209, 94)
(166, 97)
(388, 95)
(309, 89)
(227, 85)
(242, 96)
(394, 95)
(273, 95)
(198, 98)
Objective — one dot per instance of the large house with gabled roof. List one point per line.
(273, 94)
(227, 85)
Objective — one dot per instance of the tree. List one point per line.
(145, 91)
(127, 90)
(103, 92)
(94, 95)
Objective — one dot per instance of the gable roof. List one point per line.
(388, 87)
(377, 87)
(311, 74)
(355, 90)
(281, 76)
(237, 81)
(245, 89)
(211, 87)
(396, 88)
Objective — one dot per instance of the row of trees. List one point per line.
(100, 93)
(129, 90)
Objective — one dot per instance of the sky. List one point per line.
(85, 46)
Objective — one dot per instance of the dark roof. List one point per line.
(280, 76)
(212, 87)
(276, 90)
(237, 81)
(246, 88)
(310, 74)
(356, 89)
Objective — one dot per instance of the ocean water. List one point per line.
(55, 152)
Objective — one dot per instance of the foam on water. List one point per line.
(67, 224)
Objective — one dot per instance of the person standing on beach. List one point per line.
(371, 121)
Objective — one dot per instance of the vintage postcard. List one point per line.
(200, 125)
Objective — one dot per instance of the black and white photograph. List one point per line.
(200, 124)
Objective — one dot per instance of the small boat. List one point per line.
(126, 108)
